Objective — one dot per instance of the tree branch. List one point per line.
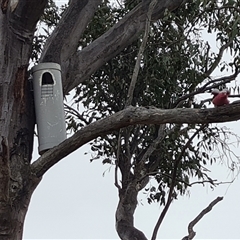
(133, 82)
(152, 147)
(132, 116)
(191, 233)
(18, 21)
(140, 54)
(75, 113)
(162, 133)
(134, 79)
(64, 40)
(218, 58)
(88, 60)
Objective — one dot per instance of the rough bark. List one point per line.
(18, 20)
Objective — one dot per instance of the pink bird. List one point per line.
(220, 98)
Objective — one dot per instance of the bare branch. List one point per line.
(214, 83)
(133, 116)
(212, 181)
(191, 233)
(161, 135)
(154, 144)
(218, 58)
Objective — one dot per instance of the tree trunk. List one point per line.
(16, 119)
(16, 142)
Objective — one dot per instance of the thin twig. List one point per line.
(121, 6)
(75, 113)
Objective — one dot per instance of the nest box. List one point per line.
(48, 98)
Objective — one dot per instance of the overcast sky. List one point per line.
(75, 201)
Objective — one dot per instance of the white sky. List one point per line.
(75, 201)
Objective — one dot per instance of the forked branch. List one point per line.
(64, 40)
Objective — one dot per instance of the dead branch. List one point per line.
(218, 58)
(191, 233)
(64, 40)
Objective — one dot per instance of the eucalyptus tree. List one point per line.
(137, 68)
